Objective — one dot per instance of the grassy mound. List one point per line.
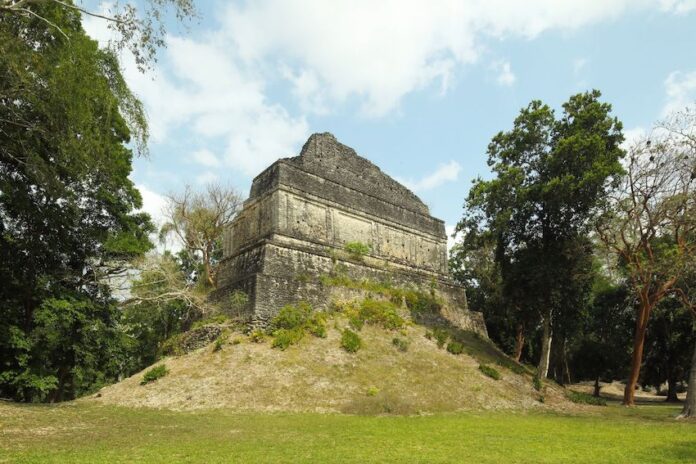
(307, 364)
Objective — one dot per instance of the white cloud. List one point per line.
(678, 6)
(579, 64)
(207, 177)
(205, 158)
(444, 173)
(378, 52)
(306, 88)
(680, 88)
(153, 204)
(451, 238)
(505, 75)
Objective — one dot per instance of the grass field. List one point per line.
(88, 433)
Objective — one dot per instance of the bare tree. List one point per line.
(650, 221)
(139, 30)
(198, 219)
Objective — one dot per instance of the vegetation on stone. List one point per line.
(292, 321)
(357, 250)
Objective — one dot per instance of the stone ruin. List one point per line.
(301, 213)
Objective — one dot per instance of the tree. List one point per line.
(668, 346)
(139, 30)
(649, 223)
(67, 208)
(199, 219)
(602, 351)
(550, 176)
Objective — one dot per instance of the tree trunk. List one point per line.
(672, 390)
(597, 388)
(689, 409)
(519, 342)
(208, 268)
(637, 357)
(546, 338)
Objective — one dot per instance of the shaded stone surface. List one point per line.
(301, 213)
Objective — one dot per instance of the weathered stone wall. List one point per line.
(301, 213)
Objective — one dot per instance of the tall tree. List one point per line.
(139, 28)
(550, 176)
(650, 223)
(67, 206)
(198, 219)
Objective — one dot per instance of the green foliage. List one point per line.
(257, 336)
(357, 250)
(372, 391)
(401, 344)
(350, 341)
(455, 347)
(238, 301)
(173, 346)
(584, 398)
(215, 319)
(155, 373)
(291, 323)
(382, 313)
(537, 383)
(68, 206)
(441, 336)
(283, 338)
(522, 250)
(489, 371)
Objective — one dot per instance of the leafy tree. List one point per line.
(649, 223)
(668, 346)
(67, 220)
(138, 28)
(550, 176)
(199, 220)
(601, 350)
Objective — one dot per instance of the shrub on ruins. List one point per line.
(350, 341)
(455, 347)
(357, 250)
(293, 321)
(155, 373)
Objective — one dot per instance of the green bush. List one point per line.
(172, 346)
(153, 374)
(584, 398)
(216, 319)
(489, 371)
(316, 325)
(372, 391)
(257, 336)
(292, 316)
(357, 250)
(401, 344)
(283, 338)
(381, 312)
(538, 385)
(292, 321)
(219, 343)
(441, 336)
(350, 341)
(455, 347)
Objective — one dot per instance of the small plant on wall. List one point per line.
(357, 250)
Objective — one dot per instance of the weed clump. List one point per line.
(489, 371)
(153, 374)
(455, 347)
(350, 341)
(401, 344)
(584, 398)
(537, 383)
(291, 323)
(357, 250)
(257, 336)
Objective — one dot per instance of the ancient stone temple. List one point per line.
(303, 211)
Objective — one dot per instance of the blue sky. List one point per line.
(417, 87)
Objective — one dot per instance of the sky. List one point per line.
(417, 87)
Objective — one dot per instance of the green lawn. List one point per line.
(75, 433)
